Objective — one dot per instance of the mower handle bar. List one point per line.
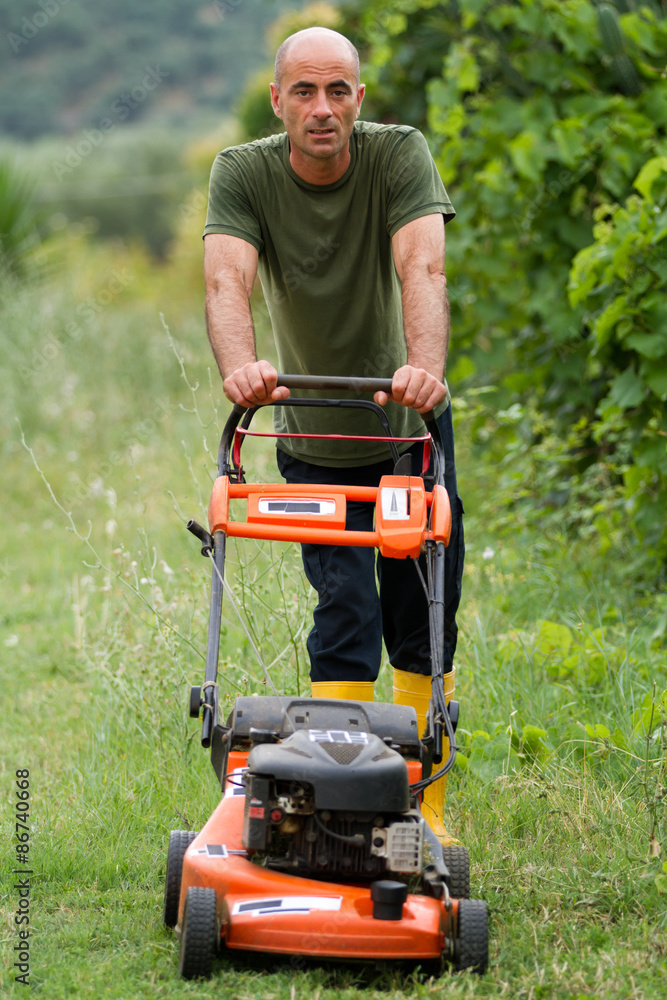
(317, 382)
(345, 383)
(350, 383)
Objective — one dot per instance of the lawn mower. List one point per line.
(318, 846)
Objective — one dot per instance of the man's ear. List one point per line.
(275, 100)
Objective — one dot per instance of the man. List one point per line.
(344, 221)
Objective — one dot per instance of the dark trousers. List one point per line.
(351, 618)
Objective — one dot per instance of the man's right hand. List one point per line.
(254, 384)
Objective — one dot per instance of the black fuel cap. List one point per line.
(388, 898)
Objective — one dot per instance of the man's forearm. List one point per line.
(230, 327)
(426, 319)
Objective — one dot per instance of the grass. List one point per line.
(560, 790)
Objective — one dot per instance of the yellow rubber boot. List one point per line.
(415, 690)
(349, 690)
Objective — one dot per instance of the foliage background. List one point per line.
(545, 118)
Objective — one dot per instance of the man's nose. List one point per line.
(322, 108)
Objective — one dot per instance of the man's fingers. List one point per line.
(254, 384)
(417, 388)
(238, 388)
(407, 386)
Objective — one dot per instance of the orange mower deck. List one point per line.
(268, 911)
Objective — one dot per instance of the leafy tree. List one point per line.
(539, 113)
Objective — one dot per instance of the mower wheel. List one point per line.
(456, 858)
(199, 935)
(471, 947)
(179, 841)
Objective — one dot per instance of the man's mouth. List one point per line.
(321, 131)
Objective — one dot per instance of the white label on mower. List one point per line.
(394, 504)
(336, 736)
(214, 851)
(289, 904)
(235, 784)
(302, 505)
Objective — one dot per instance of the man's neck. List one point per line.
(314, 171)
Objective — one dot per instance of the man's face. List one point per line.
(319, 99)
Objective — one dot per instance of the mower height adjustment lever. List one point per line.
(196, 702)
(204, 536)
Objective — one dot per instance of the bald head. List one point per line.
(317, 40)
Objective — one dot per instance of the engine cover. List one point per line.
(333, 803)
(355, 772)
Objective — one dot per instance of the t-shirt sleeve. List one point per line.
(414, 187)
(229, 208)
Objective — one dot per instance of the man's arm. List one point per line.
(419, 257)
(230, 267)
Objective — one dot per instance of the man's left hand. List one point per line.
(414, 387)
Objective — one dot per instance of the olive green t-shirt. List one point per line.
(327, 270)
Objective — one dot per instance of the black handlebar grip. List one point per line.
(350, 383)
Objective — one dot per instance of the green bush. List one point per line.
(619, 281)
(539, 114)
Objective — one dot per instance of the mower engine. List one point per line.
(331, 803)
